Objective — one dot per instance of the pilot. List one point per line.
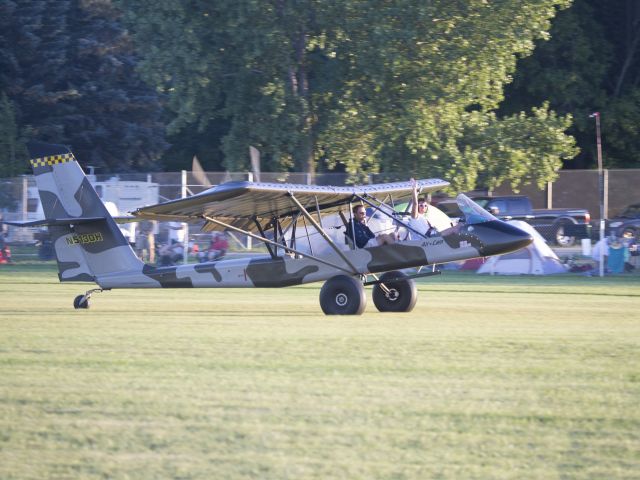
(418, 221)
(364, 237)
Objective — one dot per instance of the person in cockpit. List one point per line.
(418, 221)
(361, 235)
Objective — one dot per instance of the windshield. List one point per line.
(473, 213)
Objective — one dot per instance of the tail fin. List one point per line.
(86, 240)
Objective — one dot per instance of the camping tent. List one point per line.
(535, 259)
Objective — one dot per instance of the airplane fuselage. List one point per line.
(457, 243)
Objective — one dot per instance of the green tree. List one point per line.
(425, 88)
(364, 85)
(243, 62)
(590, 64)
(12, 153)
(621, 113)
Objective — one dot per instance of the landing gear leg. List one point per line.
(82, 301)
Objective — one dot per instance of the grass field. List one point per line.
(487, 378)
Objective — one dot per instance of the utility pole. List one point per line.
(596, 115)
(185, 226)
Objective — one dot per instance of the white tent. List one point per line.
(535, 259)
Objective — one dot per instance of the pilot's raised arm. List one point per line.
(418, 221)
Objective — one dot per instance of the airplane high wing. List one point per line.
(89, 246)
(243, 203)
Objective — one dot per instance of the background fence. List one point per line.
(19, 199)
(579, 189)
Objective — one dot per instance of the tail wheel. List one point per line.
(342, 295)
(81, 301)
(561, 237)
(397, 295)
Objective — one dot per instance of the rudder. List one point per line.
(86, 240)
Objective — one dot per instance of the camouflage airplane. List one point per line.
(89, 246)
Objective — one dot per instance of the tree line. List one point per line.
(477, 92)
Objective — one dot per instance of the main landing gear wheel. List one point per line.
(343, 295)
(395, 295)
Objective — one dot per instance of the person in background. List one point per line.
(176, 233)
(171, 253)
(145, 241)
(5, 252)
(4, 230)
(217, 248)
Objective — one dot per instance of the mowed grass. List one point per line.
(489, 377)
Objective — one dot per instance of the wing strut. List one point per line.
(266, 240)
(271, 252)
(321, 231)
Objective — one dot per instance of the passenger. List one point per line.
(418, 221)
(364, 237)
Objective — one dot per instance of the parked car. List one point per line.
(562, 226)
(627, 224)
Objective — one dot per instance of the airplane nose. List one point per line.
(498, 237)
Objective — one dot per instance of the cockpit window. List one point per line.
(473, 213)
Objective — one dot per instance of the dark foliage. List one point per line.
(68, 68)
(590, 64)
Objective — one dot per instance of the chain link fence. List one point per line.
(579, 189)
(19, 199)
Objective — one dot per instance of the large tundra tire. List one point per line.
(343, 295)
(400, 295)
